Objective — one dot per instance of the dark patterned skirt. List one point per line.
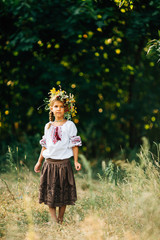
(57, 184)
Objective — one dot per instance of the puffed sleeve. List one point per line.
(74, 140)
(43, 140)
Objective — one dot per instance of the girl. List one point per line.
(59, 143)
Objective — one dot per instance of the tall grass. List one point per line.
(26, 150)
(122, 204)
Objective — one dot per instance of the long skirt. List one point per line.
(57, 183)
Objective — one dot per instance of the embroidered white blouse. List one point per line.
(59, 141)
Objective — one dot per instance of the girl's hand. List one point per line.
(77, 166)
(37, 167)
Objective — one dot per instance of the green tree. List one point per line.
(94, 49)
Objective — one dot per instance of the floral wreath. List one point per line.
(68, 100)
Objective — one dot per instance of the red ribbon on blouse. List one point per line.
(56, 135)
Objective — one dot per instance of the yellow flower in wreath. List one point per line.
(53, 90)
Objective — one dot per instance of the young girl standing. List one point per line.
(59, 143)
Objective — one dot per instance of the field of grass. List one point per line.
(127, 208)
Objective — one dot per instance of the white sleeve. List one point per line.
(43, 140)
(74, 140)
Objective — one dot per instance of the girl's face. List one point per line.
(58, 109)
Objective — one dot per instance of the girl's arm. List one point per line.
(39, 163)
(75, 154)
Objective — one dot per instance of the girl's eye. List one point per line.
(56, 106)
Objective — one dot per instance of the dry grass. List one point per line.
(129, 210)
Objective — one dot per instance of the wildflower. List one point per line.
(53, 90)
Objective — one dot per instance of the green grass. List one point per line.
(126, 209)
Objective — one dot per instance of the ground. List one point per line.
(129, 210)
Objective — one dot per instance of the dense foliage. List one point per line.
(94, 49)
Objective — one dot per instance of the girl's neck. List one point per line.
(59, 119)
(59, 123)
